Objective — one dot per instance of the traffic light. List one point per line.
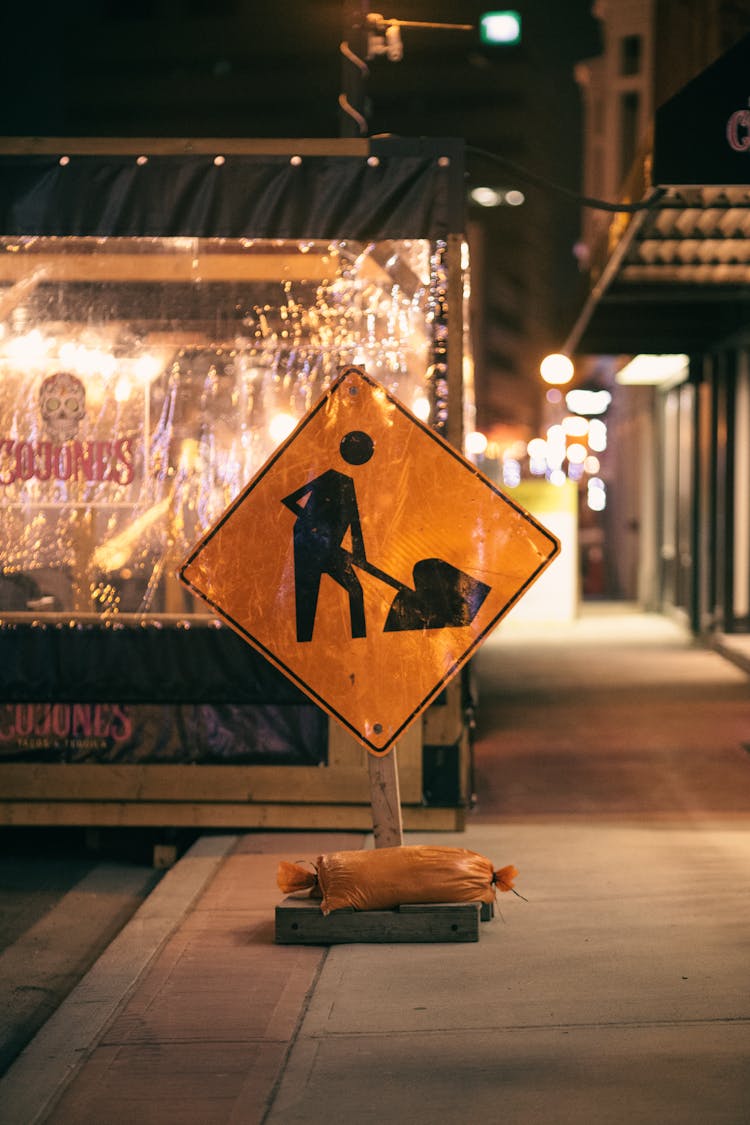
(500, 29)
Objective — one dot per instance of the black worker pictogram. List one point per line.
(326, 512)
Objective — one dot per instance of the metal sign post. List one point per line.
(385, 800)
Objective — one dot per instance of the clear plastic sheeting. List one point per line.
(144, 381)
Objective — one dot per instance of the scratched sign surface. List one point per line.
(368, 560)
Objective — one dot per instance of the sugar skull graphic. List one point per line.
(62, 400)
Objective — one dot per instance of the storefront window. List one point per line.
(144, 381)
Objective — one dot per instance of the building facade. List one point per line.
(666, 322)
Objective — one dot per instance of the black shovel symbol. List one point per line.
(443, 596)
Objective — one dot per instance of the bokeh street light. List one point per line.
(556, 369)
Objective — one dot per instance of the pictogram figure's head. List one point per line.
(356, 447)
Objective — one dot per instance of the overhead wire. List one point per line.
(495, 158)
(584, 200)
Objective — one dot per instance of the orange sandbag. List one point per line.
(388, 877)
(293, 877)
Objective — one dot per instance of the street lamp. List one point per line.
(556, 369)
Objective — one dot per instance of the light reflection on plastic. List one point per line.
(146, 368)
(123, 387)
(421, 407)
(30, 349)
(280, 426)
(81, 360)
(107, 364)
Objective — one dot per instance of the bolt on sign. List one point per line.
(368, 560)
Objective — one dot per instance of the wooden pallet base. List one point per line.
(301, 922)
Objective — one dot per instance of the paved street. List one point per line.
(59, 910)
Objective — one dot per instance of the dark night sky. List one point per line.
(221, 68)
(236, 68)
(232, 67)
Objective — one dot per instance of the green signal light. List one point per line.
(500, 28)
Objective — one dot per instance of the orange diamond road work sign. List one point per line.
(368, 560)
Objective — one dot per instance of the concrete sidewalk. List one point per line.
(612, 770)
(617, 993)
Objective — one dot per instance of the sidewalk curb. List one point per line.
(735, 649)
(50, 1061)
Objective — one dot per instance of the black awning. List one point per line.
(675, 276)
(627, 324)
(678, 280)
(394, 189)
(702, 134)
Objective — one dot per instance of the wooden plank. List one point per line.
(302, 922)
(486, 909)
(185, 146)
(180, 782)
(385, 800)
(345, 752)
(308, 817)
(167, 267)
(443, 722)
